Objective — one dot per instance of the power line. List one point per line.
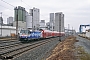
(14, 6)
(25, 3)
(7, 3)
(5, 7)
(30, 6)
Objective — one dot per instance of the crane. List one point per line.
(80, 28)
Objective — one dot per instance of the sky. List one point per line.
(76, 12)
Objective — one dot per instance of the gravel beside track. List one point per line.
(64, 50)
(85, 43)
(39, 52)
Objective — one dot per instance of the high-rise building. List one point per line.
(48, 25)
(10, 21)
(1, 20)
(20, 13)
(52, 21)
(20, 16)
(35, 13)
(62, 23)
(59, 22)
(51, 17)
(28, 21)
(42, 24)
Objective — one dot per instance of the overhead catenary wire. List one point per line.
(34, 17)
(7, 3)
(6, 7)
(13, 5)
(25, 3)
(30, 6)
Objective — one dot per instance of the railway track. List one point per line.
(6, 43)
(9, 46)
(21, 49)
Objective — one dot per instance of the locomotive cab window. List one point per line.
(25, 31)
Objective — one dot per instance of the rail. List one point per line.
(16, 51)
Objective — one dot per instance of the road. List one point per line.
(85, 43)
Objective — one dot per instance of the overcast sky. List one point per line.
(76, 11)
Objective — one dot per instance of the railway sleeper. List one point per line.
(8, 51)
(6, 57)
(12, 54)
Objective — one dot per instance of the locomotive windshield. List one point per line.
(25, 31)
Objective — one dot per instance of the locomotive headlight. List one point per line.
(26, 36)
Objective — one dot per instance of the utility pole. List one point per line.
(16, 9)
(60, 27)
(68, 29)
(72, 30)
(1, 23)
(17, 24)
(32, 21)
